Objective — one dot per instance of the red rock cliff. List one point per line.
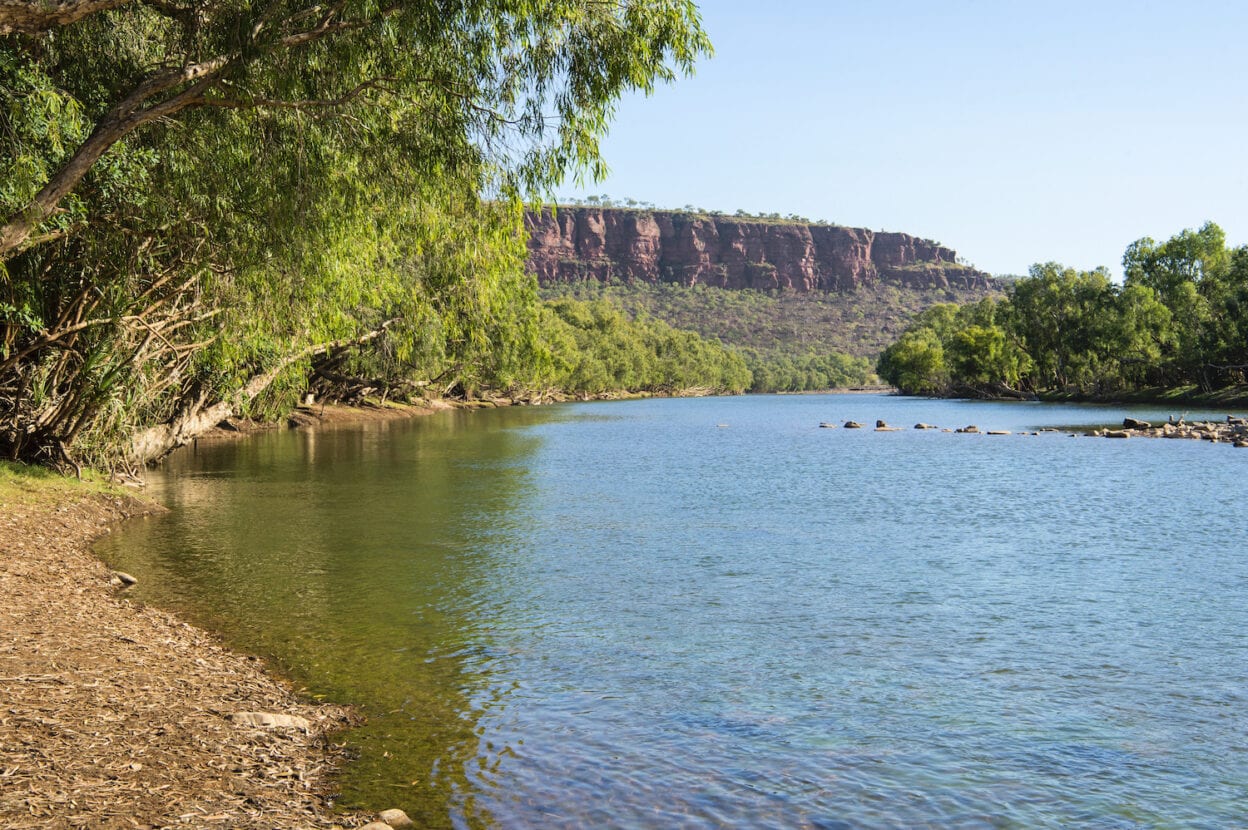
(580, 243)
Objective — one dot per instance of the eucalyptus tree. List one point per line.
(196, 195)
(915, 362)
(1187, 271)
(1227, 336)
(1057, 314)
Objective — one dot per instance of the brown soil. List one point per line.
(117, 715)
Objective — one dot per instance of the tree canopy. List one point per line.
(197, 195)
(1179, 318)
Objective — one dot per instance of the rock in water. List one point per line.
(124, 579)
(1133, 423)
(396, 819)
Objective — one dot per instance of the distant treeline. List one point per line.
(594, 348)
(788, 342)
(1180, 319)
(628, 203)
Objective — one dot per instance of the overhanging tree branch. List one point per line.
(31, 18)
(136, 110)
(201, 416)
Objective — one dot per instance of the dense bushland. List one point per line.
(1179, 319)
(205, 205)
(596, 348)
(791, 342)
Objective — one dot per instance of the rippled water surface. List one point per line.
(703, 613)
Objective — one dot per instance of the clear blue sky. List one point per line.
(1015, 132)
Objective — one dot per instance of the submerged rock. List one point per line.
(396, 819)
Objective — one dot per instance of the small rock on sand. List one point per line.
(270, 720)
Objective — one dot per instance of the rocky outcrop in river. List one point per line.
(573, 244)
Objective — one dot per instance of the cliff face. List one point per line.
(581, 243)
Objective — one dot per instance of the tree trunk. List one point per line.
(156, 442)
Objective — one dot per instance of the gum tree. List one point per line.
(197, 196)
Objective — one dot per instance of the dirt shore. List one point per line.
(113, 714)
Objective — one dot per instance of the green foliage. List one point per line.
(915, 364)
(781, 371)
(1192, 276)
(791, 341)
(981, 356)
(596, 348)
(194, 199)
(1181, 318)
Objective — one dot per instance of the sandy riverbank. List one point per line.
(113, 714)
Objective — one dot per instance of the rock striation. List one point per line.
(574, 244)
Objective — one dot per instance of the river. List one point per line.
(712, 612)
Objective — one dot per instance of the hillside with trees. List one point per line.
(791, 342)
(808, 305)
(1177, 325)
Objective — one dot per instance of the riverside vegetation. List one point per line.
(790, 342)
(206, 207)
(1176, 328)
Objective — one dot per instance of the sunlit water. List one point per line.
(706, 613)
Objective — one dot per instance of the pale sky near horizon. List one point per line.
(1014, 132)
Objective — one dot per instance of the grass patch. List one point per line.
(26, 484)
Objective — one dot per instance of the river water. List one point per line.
(712, 612)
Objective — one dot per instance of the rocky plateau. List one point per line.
(573, 244)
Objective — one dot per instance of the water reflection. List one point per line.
(359, 560)
(625, 615)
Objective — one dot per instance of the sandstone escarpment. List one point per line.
(574, 244)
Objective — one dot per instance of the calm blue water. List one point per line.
(628, 615)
